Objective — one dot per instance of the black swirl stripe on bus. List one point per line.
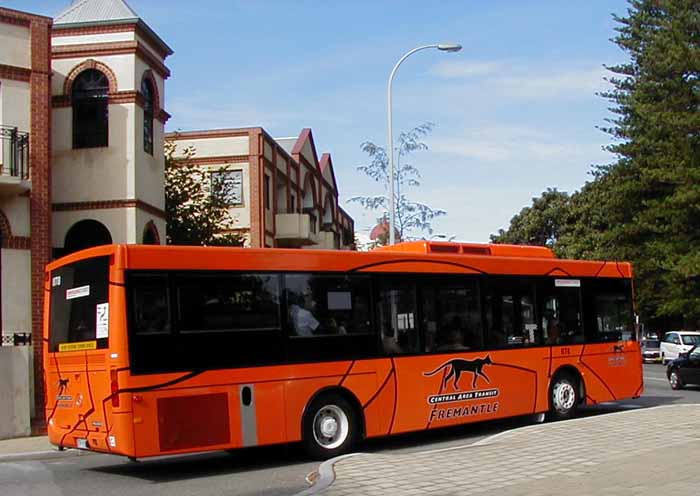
(601, 380)
(396, 395)
(439, 262)
(549, 273)
(347, 373)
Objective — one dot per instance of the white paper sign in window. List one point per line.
(77, 292)
(339, 300)
(404, 321)
(567, 283)
(102, 320)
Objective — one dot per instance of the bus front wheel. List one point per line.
(330, 426)
(564, 397)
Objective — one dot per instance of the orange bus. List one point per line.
(153, 350)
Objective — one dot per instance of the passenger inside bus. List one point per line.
(390, 343)
(301, 315)
(553, 327)
(452, 337)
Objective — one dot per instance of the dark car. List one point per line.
(685, 369)
(651, 351)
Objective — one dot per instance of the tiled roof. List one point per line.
(90, 11)
(101, 12)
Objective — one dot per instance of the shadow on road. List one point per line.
(175, 468)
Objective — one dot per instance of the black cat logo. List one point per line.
(458, 365)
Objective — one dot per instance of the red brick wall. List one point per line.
(40, 198)
(257, 216)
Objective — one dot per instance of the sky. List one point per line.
(515, 112)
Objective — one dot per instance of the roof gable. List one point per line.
(327, 170)
(304, 147)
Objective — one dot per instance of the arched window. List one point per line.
(147, 93)
(89, 96)
(86, 234)
(150, 234)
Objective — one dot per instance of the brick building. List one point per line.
(82, 116)
(283, 195)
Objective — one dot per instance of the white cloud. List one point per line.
(525, 81)
(501, 144)
(463, 69)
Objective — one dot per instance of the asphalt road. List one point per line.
(268, 471)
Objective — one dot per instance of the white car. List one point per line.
(677, 342)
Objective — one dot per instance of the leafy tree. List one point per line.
(656, 102)
(539, 224)
(411, 217)
(195, 205)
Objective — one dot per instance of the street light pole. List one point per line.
(390, 138)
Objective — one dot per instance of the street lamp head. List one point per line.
(449, 47)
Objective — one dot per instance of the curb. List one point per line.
(42, 455)
(325, 475)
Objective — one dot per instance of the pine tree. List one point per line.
(655, 198)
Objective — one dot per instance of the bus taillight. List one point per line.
(114, 387)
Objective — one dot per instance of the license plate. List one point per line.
(82, 443)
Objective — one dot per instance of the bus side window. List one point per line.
(328, 317)
(397, 319)
(561, 314)
(510, 313)
(451, 315)
(608, 309)
(150, 298)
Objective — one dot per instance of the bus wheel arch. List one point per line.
(338, 407)
(567, 391)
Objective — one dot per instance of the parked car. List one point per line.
(677, 342)
(685, 370)
(651, 350)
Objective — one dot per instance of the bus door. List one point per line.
(515, 340)
(76, 366)
(611, 358)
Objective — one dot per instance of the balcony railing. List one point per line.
(14, 153)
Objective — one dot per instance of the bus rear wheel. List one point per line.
(564, 397)
(330, 426)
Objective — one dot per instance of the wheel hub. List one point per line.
(564, 397)
(329, 426)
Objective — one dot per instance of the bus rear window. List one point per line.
(79, 305)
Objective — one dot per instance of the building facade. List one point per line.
(283, 195)
(25, 181)
(82, 118)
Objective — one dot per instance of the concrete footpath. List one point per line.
(32, 448)
(636, 452)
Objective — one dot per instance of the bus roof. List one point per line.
(414, 257)
(471, 249)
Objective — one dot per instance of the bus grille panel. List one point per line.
(193, 421)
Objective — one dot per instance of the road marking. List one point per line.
(655, 379)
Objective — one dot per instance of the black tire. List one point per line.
(331, 427)
(674, 379)
(563, 397)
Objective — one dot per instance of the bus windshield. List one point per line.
(79, 305)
